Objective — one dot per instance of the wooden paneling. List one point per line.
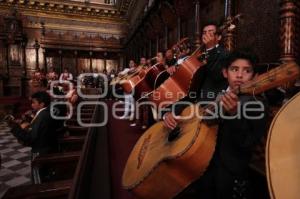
(260, 28)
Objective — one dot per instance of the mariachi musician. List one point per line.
(211, 79)
(38, 75)
(66, 75)
(129, 100)
(223, 179)
(41, 132)
(51, 75)
(170, 61)
(143, 111)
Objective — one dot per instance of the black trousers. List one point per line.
(218, 183)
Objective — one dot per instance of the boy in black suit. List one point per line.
(41, 133)
(227, 174)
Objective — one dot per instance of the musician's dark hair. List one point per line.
(242, 53)
(42, 97)
(212, 23)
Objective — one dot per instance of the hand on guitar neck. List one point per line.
(229, 101)
(171, 70)
(169, 120)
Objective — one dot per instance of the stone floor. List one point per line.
(15, 161)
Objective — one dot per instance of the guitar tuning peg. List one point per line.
(232, 26)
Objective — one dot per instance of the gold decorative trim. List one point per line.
(53, 26)
(98, 12)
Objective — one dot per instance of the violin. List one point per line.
(24, 122)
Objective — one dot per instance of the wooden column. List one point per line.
(145, 49)
(7, 58)
(119, 61)
(126, 57)
(105, 54)
(229, 43)
(197, 24)
(150, 49)
(45, 60)
(60, 61)
(23, 44)
(76, 63)
(178, 28)
(91, 67)
(166, 38)
(37, 47)
(24, 89)
(287, 30)
(157, 44)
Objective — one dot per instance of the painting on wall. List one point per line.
(2, 63)
(30, 59)
(98, 65)
(83, 65)
(14, 56)
(111, 64)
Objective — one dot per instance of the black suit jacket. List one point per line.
(238, 137)
(210, 80)
(41, 136)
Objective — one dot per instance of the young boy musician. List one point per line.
(227, 174)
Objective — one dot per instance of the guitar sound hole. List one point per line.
(174, 134)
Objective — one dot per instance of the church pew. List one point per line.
(83, 115)
(92, 176)
(84, 111)
(61, 166)
(56, 166)
(71, 143)
(76, 130)
(74, 122)
(55, 190)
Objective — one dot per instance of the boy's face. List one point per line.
(36, 105)
(239, 72)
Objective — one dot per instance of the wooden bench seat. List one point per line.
(55, 190)
(71, 143)
(56, 166)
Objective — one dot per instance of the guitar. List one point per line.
(129, 83)
(185, 78)
(164, 162)
(144, 80)
(130, 74)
